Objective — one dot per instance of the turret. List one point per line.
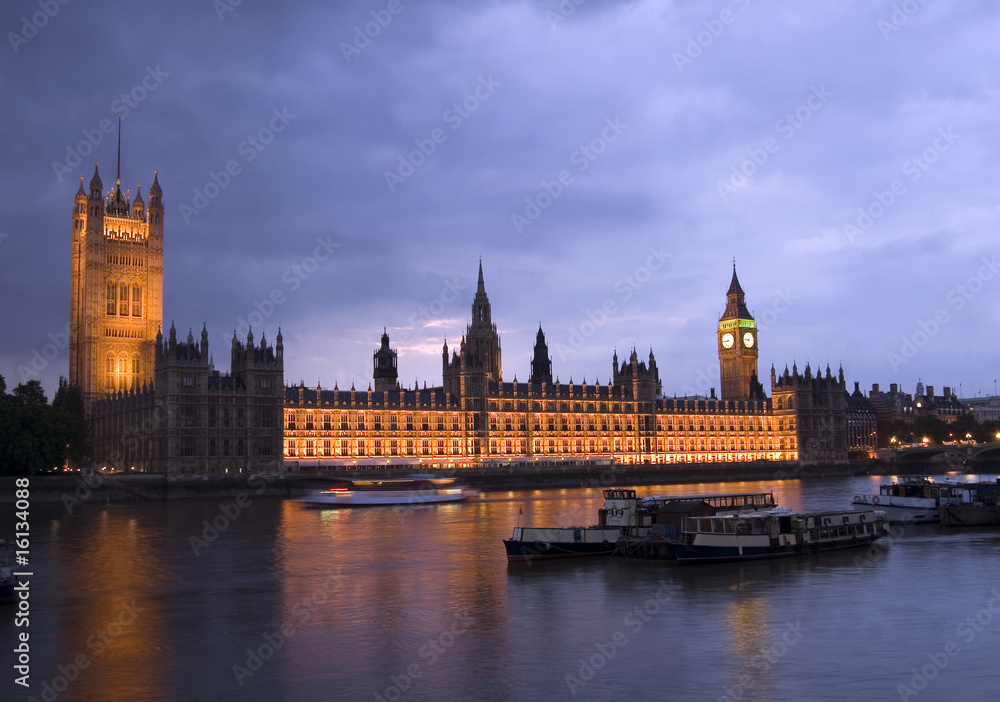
(204, 341)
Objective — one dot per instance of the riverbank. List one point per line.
(74, 490)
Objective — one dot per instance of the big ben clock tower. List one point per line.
(738, 347)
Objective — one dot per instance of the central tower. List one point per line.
(738, 347)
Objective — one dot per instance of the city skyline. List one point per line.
(341, 170)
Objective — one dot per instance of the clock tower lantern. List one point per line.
(738, 347)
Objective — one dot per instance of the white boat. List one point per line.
(415, 490)
(913, 500)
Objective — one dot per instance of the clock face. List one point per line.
(727, 340)
(748, 339)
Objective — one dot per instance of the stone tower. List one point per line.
(477, 360)
(541, 362)
(737, 334)
(116, 292)
(384, 369)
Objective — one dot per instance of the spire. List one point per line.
(96, 186)
(80, 192)
(118, 168)
(154, 189)
(734, 286)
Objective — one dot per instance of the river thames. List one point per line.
(141, 601)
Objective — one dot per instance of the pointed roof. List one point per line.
(95, 181)
(80, 191)
(734, 286)
(154, 189)
(480, 286)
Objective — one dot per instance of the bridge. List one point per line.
(964, 453)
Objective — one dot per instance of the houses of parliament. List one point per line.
(157, 403)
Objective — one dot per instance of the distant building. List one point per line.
(862, 424)
(985, 409)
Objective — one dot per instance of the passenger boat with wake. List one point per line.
(624, 515)
(415, 490)
(775, 534)
(914, 500)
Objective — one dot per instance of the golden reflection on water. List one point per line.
(117, 637)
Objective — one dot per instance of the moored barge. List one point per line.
(775, 534)
(625, 515)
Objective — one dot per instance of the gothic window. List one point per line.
(135, 371)
(111, 297)
(136, 301)
(110, 368)
(123, 300)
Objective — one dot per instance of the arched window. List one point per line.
(110, 373)
(111, 297)
(135, 371)
(136, 301)
(123, 300)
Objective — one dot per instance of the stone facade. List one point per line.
(476, 418)
(194, 419)
(116, 288)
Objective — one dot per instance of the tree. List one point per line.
(33, 436)
(68, 407)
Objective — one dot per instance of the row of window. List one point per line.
(121, 373)
(224, 447)
(117, 299)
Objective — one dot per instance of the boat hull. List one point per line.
(899, 513)
(525, 551)
(531, 543)
(970, 515)
(688, 554)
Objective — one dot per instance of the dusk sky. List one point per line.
(606, 161)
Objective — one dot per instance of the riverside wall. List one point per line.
(73, 490)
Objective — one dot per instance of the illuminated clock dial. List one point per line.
(748, 339)
(727, 340)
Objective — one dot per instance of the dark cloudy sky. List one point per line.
(845, 153)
